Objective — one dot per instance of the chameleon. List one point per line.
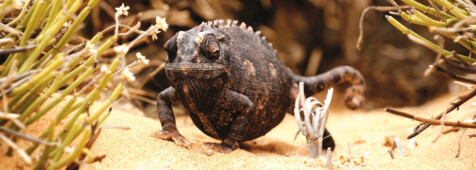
(234, 85)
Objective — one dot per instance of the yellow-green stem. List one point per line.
(76, 153)
(34, 55)
(46, 151)
(26, 103)
(66, 110)
(115, 94)
(49, 69)
(22, 13)
(429, 21)
(67, 91)
(5, 5)
(426, 42)
(413, 19)
(427, 9)
(459, 13)
(34, 21)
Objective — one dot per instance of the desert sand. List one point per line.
(358, 134)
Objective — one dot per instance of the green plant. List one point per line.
(41, 61)
(454, 20)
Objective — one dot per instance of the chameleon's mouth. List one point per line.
(204, 71)
(194, 67)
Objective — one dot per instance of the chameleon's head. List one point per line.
(197, 54)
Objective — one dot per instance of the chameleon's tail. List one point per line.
(354, 96)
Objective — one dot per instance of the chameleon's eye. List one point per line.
(171, 47)
(212, 48)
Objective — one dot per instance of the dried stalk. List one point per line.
(431, 121)
(26, 137)
(462, 99)
(313, 125)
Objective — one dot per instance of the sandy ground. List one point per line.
(357, 133)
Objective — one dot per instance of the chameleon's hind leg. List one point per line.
(242, 105)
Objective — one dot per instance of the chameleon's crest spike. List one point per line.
(243, 25)
(200, 29)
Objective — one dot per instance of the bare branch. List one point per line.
(377, 8)
(16, 49)
(26, 137)
(459, 144)
(20, 151)
(462, 99)
(431, 121)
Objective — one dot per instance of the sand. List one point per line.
(357, 133)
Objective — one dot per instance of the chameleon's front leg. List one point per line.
(242, 105)
(167, 118)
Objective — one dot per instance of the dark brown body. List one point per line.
(235, 85)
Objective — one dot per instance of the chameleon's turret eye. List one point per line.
(171, 47)
(212, 48)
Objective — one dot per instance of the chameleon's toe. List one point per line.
(175, 136)
(209, 148)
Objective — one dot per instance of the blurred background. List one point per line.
(311, 37)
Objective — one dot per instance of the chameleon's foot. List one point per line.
(209, 148)
(175, 136)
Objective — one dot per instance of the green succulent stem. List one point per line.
(429, 21)
(21, 15)
(426, 42)
(98, 112)
(458, 12)
(67, 91)
(5, 5)
(44, 157)
(66, 109)
(413, 19)
(49, 69)
(71, 157)
(427, 9)
(33, 22)
(49, 26)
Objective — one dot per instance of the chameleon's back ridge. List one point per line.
(234, 84)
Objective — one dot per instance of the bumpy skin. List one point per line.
(235, 86)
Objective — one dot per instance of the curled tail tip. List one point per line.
(354, 97)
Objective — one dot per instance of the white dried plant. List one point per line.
(311, 116)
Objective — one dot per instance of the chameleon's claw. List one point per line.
(175, 136)
(209, 148)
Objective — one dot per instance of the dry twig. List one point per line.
(377, 8)
(462, 99)
(431, 121)
(26, 137)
